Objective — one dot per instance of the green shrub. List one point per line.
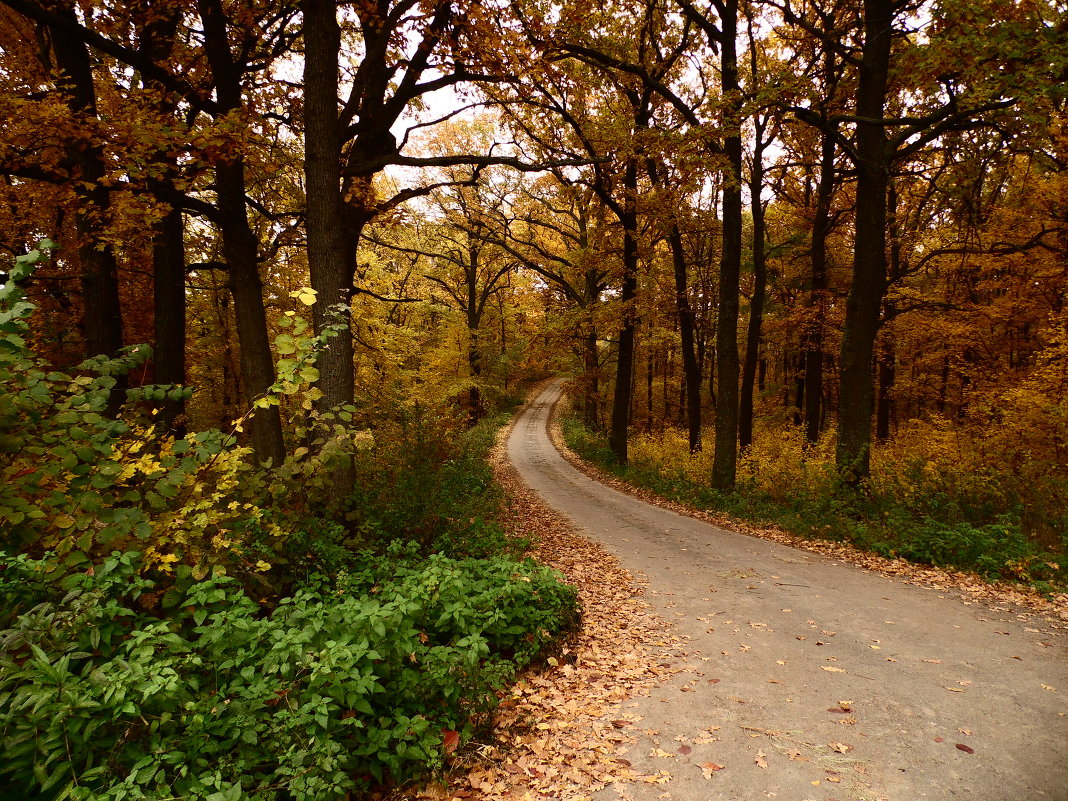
(337, 688)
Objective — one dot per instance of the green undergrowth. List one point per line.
(179, 621)
(367, 678)
(935, 528)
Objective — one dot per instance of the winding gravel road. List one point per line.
(808, 678)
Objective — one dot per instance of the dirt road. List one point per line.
(807, 678)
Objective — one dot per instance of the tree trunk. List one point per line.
(853, 452)
(168, 292)
(756, 306)
(818, 292)
(887, 376)
(691, 369)
(102, 310)
(725, 457)
(257, 364)
(623, 392)
(328, 252)
(240, 246)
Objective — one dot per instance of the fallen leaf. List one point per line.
(708, 769)
(965, 749)
(832, 669)
(659, 752)
(685, 750)
(761, 759)
(619, 724)
(840, 748)
(450, 740)
(955, 689)
(939, 739)
(933, 661)
(1047, 687)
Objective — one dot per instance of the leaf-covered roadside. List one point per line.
(975, 589)
(560, 732)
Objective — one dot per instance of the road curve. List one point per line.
(808, 678)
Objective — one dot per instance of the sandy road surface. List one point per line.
(806, 678)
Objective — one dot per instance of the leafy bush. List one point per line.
(338, 687)
(423, 477)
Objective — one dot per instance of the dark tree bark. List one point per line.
(240, 245)
(814, 330)
(99, 279)
(853, 453)
(760, 281)
(331, 260)
(725, 457)
(691, 369)
(157, 35)
(168, 303)
(623, 390)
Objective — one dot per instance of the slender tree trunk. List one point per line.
(725, 457)
(168, 292)
(853, 453)
(814, 330)
(691, 369)
(884, 407)
(591, 383)
(756, 307)
(240, 249)
(623, 392)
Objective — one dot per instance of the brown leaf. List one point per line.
(965, 749)
(761, 759)
(685, 750)
(708, 769)
(619, 724)
(840, 748)
(450, 740)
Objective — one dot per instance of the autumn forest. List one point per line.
(275, 273)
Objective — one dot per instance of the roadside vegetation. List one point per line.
(178, 622)
(935, 496)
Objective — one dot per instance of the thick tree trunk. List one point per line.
(725, 457)
(102, 310)
(853, 453)
(330, 257)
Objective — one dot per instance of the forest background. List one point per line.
(272, 270)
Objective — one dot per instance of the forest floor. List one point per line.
(714, 664)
